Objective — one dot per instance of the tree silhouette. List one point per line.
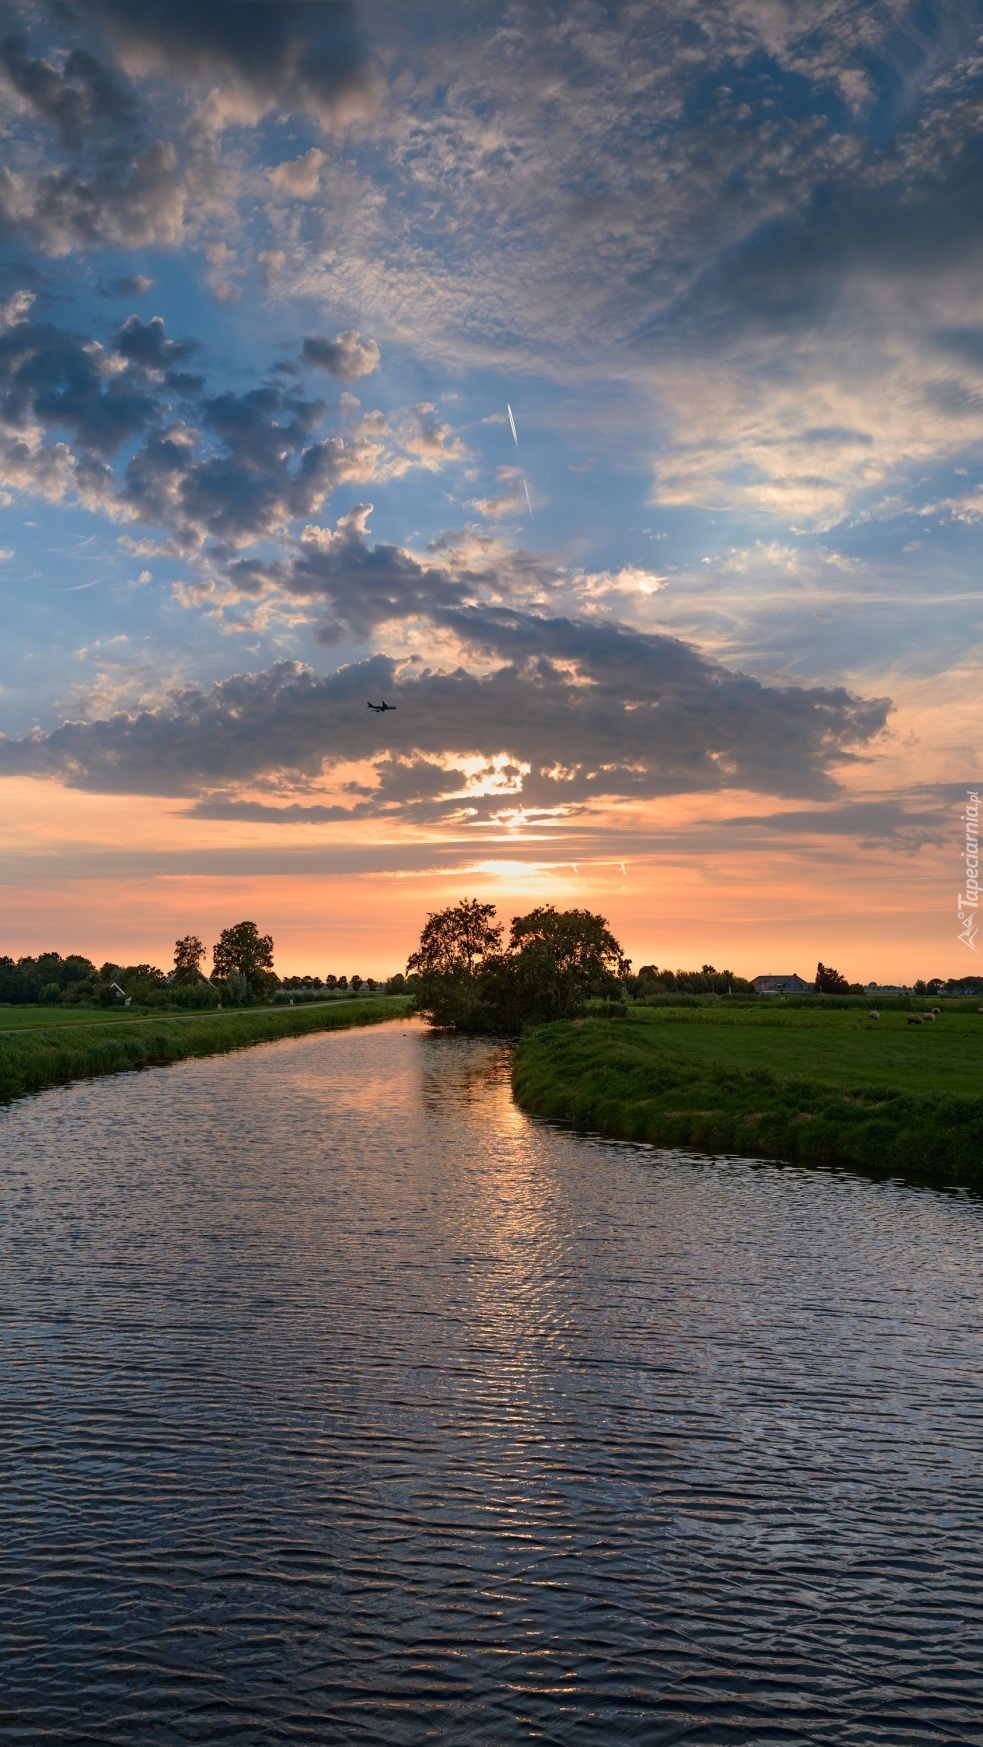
(243, 948)
(454, 941)
(561, 957)
(188, 955)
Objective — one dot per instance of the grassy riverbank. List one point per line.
(818, 1086)
(39, 1053)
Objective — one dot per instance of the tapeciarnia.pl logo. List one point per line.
(968, 902)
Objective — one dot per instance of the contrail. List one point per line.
(515, 439)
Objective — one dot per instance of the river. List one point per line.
(344, 1403)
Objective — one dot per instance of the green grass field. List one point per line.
(29, 1018)
(793, 1084)
(47, 1018)
(48, 1046)
(836, 1049)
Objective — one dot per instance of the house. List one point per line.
(788, 985)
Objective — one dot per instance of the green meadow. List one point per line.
(42, 1047)
(788, 1083)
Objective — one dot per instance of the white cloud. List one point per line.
(299, 177)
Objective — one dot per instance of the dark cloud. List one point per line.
(866, 821)
(128, 102)
(260, 813)
(247, 465)
(264, 469)
(48, 377)
(145, 344)
(914, 213)
(305, 53)
(572, 713)
(302, 53)
(354, 586)
(76, 97)
(108, 175)
(123, 200)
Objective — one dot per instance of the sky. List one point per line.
(697, 646)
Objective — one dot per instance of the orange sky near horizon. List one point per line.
(121, 877)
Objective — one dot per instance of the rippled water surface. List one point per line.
(341, 1403)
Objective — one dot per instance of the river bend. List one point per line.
(342, 1403)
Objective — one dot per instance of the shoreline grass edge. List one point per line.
(579, 1073)
(37, 1059)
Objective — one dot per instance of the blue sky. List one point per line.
(268, 263)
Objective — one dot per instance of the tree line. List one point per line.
(242, 972)
(464, 973)
(554, 964)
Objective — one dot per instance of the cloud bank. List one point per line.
(564, 715)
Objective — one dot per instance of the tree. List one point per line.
(562, 957)
(188, 955)
(829, 982)
(242, 948)
(458, 947)
(356, 983)
(455, 941)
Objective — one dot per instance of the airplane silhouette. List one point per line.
(378, 708)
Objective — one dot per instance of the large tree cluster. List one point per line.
(553, 963)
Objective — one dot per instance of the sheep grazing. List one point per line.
(932, 1016)
(914, 1018)
(936, 1012)
(873, 1016)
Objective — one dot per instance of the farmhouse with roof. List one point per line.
(788, 985)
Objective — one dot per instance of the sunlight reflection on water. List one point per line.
(344, 1403)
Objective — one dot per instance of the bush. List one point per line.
(50, 994)
(237, 991)
(194, 997)
(681, 1000)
